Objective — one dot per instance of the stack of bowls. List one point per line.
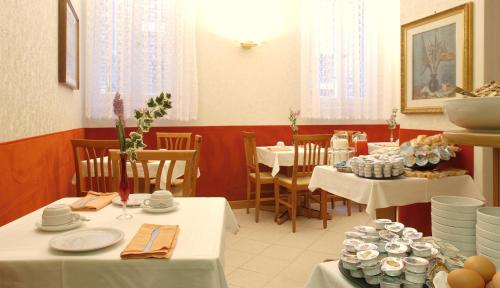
(454, 221)
(488, 233)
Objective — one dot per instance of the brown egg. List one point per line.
(481, 265)
(465, 278)
(495, 282)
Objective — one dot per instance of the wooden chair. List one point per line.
(150, 155)
(314, 153)
(173, 141)
(177, 183)
(253, 173)
(93, 155)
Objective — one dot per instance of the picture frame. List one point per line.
(69, 45)
(436, 57)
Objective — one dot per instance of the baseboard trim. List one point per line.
(242, 204)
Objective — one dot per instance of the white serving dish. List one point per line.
(488, 251)
(474, 113)
(488, 227)
(453, 215)
(495, 245)
(484, 233)
(453, 223)
(454, 230)
(453, 237)
(456, 203)
(490, 215)
(88, 239)
(58, 228)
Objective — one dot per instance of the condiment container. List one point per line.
(373, 280)
(395, 227)
(370, 238)
(357, 273)
(353, 235)
(392, 266)
(366, 246)
(418, 278)
(371, 270)
(390, 282)
(421, 249)
(412, 285)
(404, 241)
(368, 230)
(380, 223)
(350, 262)
(368, 257)
(396, 249)
(350, 244)
(413, 235)
(381, 245)
(415, 265)
(388, 235)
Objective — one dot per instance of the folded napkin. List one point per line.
(279, 148)
(93, 201)
(148, 243)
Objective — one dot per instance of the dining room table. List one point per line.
(383, 196)
(27, 259)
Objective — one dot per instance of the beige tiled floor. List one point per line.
(268, 255)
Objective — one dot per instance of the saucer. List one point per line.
(54, 228)
(134, 200)
(160, 210)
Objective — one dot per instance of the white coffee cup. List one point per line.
(159, 199)
(58, 214)
(280, 144)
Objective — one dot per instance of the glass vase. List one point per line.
(123, 188)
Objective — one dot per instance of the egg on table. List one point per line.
(481, 265)
(465, 278)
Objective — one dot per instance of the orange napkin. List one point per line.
(93, 201)
(162, 246)
(279, 148)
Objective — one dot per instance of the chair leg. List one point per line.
(349, 204)
(248, 193)
(360, 207)
(294, 210)
(333, 203)
(323, 205)
(308, 203)
(257, 202)
(276, 200)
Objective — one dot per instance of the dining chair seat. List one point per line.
(265, 177)
(287, 181)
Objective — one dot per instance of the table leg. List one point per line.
(496, 177)
(387, 213)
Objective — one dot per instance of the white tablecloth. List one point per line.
(197, 261)
(152, 169)
(275, 159)
(387, 193)
(327, 275)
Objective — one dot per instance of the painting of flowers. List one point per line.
(436, 57)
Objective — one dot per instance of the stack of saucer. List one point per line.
(454, 221)
(160, 201)
(488, 233)
(58, 217)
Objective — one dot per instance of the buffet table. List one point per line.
(197, 261)
(378, 194)
(326, 275)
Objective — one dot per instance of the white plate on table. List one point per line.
(88, 239)
(134, 200)
(160, 210)
(55, 228)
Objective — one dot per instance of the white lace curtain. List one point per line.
(349, 58)
(140, 48)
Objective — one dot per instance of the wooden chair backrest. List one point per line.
(249, 142)
(151, 155)
(173, 141)
(194, 176)
(96, 175)
(315, 153)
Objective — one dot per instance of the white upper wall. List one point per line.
(32, 101)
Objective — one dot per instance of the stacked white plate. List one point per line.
(488, 233)
(454, 220)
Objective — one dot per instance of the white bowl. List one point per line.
(495, 245)
(456, 203)
(483, 232)
(453, 215)
(488, 227)
(453, 237)
(453, 223)
(454, 230)
(488, 251)
(474, 113)
(489, 214)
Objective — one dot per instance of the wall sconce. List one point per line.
(248, 44)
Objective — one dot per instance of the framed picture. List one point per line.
(436, 56)
(69, 40)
